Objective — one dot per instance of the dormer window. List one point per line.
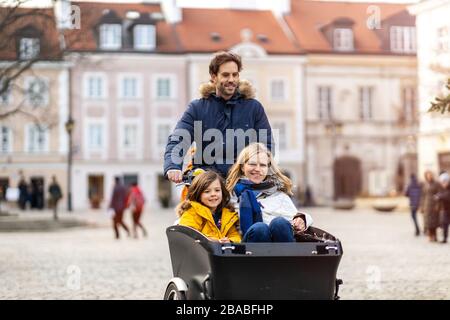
(144, 37)
(29, 48)
(110, 36)
(403, 39)
(343, 39)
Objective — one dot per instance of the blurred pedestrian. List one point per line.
(430, 205)
(444, 197)
(23, 193)
(136, 202)
(55, 195)
(118, 204)
(414, 193)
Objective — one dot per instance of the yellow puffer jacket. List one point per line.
(200, 218)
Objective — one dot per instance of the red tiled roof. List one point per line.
(41, 21)
(195, 30)
(92, 12)
(308, 17)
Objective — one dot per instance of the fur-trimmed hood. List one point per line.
(245, 89)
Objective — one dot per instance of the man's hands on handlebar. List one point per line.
(175, 175)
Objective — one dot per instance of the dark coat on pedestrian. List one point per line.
(444, 197)
(119, 198)
(414, 193)
(55, 192)
(431, 204)
(242, 111)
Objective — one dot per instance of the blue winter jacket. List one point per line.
(242, 111)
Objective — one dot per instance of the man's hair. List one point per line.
(222, 57)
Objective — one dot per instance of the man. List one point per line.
(55, 195)
(221, 123)
(118, 204)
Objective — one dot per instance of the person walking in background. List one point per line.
(444, 197)
(23, 193)
(135, 202)
(414, 193)
(118, 204)
(55, 195)
(430, 205)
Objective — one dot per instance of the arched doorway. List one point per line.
(347, 175)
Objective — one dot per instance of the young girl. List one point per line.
(261, 193)
(207, 209)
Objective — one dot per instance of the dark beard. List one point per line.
(223, 91)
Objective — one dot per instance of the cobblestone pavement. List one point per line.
(382, 259)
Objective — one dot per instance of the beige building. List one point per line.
(433, 55)
(360, 79)
(33, 141)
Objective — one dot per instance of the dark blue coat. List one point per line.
(240, 112)
(414, 193)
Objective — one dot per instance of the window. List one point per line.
(277, 90)
(95, 136)
(95, 87)
(144, 37)
(164, 130)
(129, 87)
(343, 39)
(365, 102)
(130, 136)
(280, 131)
(37, 91)
(5, 139)
(110, 36)
(409, 104)
(324, 102)
(29, 48)
(403, 39)
(163, 88)
(444, 39)
(5, 97)
(37, 139)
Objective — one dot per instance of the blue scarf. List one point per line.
(249, 208)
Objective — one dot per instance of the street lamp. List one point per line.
(70, 124)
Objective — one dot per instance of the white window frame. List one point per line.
(284, 95)
(110, 36)
(138, 146)
(173, 86)
(144, 36)
(103, 85)
(282, 142)
(28, 144)
(160, 122)
(29, 48)
(403, 39)
(343, 39)
(122, 94)
(9, 139)
(324, 102)
(409, 103)
(443, 38)
(366, 96)
(46, 96)
(104, 148)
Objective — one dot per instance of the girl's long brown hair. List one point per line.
(236, 172)
(198, 186)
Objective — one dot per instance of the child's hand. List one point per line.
(224, 240)
(299, 224)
